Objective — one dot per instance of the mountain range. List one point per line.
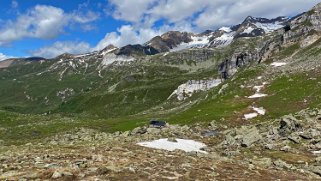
(249, 92)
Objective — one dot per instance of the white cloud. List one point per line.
(127, 35)
(189, 15)
(14, 4)
(204, 14)
(42, 22)
(4, 57)
(231, 12)
(59, 48)
(130, 10)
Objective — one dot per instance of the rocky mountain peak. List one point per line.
(108, 49)
(169, 40)
(253, 20)
(133, 50)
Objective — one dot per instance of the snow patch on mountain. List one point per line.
(197, 42)
(224, 40)
(248, 30)
(103, 53)
(269, 27)
(186, 90)
(84, 55)
(111, 58)
(226, 29)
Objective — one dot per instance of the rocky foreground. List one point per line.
(288, 148)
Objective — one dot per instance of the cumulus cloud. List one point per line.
(128, 34)
(59, 48)
(42, 22)
(231, 12)
(189, 15)
(4, 57)
(130, 10)
(14, 4)
(203, 14)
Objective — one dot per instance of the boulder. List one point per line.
(281, 164)
(251, 136)
(138, 130)
(294, 138)
(289, 124)
(153, 130)
(263, 162)
(57, 175)
(316, 170)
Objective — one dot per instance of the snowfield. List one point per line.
(225, 39)
(197, 42)
(248, 30)
(181, 144)
(226, 29)
(269, 27)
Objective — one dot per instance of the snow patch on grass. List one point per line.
(250, 116)
(181, 144)
(259, 110)
(278, 64)
(257, 95)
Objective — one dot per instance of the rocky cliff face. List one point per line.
(169, 40)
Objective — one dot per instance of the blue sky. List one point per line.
(50, 27)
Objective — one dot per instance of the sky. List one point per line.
(48, 28)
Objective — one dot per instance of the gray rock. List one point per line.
(126, 133)
(286, 148)
(316, 170)
(192, 153)
(281, 164)
(269, 146)
(56, 175)
(305, 135)
(295, 139)
(289, 124)
(209, 133)
(138, 130)
(263, 162)
(153, 130)
(172, 140)
(229, 140)
(251, 136)
(212, 124)
(103, 171)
